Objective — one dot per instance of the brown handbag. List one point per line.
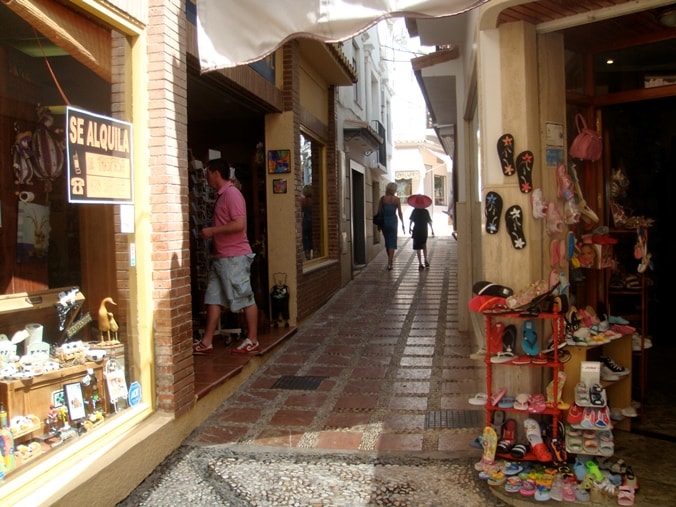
(587, 145)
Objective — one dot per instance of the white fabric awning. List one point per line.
(233, 32)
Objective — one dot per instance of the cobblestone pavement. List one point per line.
(217, 475)
(387, 347)
(389, 354)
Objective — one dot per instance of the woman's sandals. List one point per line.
(506, 153)
(493, 211)
(524, 169)
(514, 219)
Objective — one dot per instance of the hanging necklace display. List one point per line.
(116, 382)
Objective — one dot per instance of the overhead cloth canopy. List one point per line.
(232, 32)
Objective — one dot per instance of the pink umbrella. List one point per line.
(419, 201)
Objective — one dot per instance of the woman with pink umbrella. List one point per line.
(419, 220)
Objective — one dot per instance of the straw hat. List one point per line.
(419, 201)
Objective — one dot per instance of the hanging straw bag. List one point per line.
(587, 144)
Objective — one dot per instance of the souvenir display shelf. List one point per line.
(44, 406)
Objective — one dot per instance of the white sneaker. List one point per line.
(608, 375)
(614, 367)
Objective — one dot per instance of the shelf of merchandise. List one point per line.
(638, 319)
(558, 330)
(619, 391)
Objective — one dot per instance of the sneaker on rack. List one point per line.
(614, 367)
(607, 374)
(636, 342)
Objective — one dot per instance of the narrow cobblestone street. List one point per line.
(389, 357)
(381, 417)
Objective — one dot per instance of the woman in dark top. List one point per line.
(419, 220)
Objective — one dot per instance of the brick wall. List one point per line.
(167, 185)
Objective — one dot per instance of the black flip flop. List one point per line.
(509, 338)
(493, 211)
(524, 169)
(518, 451)
(484, 288)
(514, 219)
(506, 153)
(504, 446)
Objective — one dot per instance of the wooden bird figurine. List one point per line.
(114, 328)
(105, 318)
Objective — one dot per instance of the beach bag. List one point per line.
(587, 144)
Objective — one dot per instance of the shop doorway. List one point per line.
(220, 125)
(642, 140)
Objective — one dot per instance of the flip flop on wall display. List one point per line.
(506, 153)
(493, 211)
(514, 219)
(524, 170)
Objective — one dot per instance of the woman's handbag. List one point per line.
(379, 220)
(587, 145)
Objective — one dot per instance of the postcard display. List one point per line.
(55, 384)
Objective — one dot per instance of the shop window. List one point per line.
(313, 201)
(64, 367)
(439, 190)
(404, 188)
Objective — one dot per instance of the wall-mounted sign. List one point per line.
(99, 158)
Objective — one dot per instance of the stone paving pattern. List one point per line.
(389, 348)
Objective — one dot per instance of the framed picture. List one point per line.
(117, 385)
(74, 401)
(279, 161)
(279, 186)
(58, 398)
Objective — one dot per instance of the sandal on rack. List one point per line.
(534, 436)
(508, 437)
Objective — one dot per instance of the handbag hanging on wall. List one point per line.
(587, 145)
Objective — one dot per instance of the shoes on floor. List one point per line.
(389, 267)
(246, 347)
(427, 264)
(421, 268)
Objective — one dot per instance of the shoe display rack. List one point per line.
(201, 204)
(627, 296)
(589, 429)
(550, 407)
(617, 392)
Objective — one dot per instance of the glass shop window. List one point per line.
(64, 333)
(312, 197)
